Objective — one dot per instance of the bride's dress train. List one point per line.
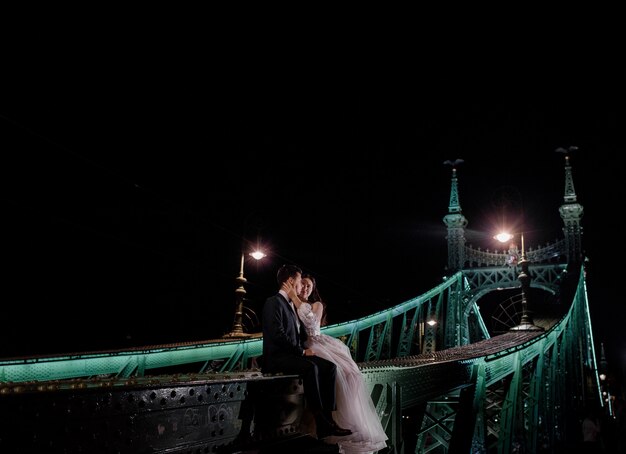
(355, 409)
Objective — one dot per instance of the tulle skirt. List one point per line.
(355, 409)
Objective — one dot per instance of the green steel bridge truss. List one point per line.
(473, 391)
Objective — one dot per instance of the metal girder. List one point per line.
(226, 351)
(484, 280)
(173, 416)
(437, 426)
(532, 404)
(379, 340)
(410, 323)
(551, 372)
(466, 417)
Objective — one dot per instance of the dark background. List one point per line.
(134, 176)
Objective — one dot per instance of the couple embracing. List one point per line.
(333, 385)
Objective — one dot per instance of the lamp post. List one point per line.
(526, 323)
(240, 293)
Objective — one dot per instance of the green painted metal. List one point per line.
(130, 368)
(479, 441)
(544, 384)
(392, 417)
(372, 343)
(510, 408)
(464, 420)
(455, 223)
(353, 343)
(228, 352)
(452, 320)
(532, 401)
(453, 293)
(235, 361)
(437, 426)
(411, 322)
(484, 280)
(430, 339)
(384, 350)
(517, 398)
(558, 360)
(545, 377)
(379, 340)
(571, 212)
(554, 383)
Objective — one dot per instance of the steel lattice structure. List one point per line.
(470, 391)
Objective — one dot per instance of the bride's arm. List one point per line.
(318, 309)
(307, 315)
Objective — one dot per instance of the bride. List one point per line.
(355, 409)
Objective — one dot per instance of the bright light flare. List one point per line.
(431, 322)
(257, 255)
(503, 237)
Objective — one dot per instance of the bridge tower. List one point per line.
(456, 223)
(571, 213)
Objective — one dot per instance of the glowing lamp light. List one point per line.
(503, 237)
(602, 377)
(257, 255)
(240, 294)
(431, 322)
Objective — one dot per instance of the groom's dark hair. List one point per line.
(287, 271)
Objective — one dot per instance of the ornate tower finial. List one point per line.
(456, 222)
(454, 206)
(570, 192)
(571, 212)
(603, 362)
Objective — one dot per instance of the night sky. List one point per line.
(131, 187)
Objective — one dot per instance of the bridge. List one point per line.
(442, 380)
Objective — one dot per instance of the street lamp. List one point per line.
(526, 323)
(240, 293)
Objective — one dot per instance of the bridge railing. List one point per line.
(534, 372)
(401, 330)
(396, 332)
(551, 252)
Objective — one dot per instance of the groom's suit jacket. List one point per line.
(281, 338)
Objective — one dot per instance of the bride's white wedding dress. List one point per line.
(355, 409)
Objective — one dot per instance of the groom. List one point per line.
(284, 351)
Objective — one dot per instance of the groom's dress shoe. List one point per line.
(340, 431)
(332, 429)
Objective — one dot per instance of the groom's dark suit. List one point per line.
(283, 348)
